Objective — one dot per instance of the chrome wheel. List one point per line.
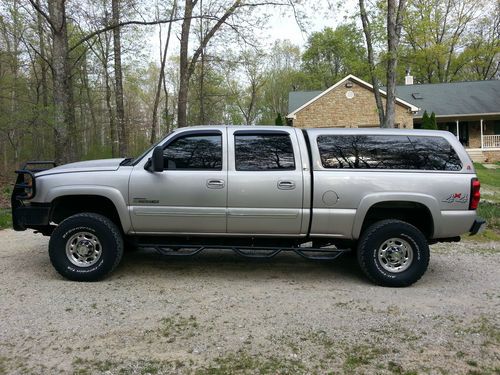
(395, 255)
(83, 249)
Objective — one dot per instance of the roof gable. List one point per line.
(319, 94)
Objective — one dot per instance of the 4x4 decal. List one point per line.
(457, 198)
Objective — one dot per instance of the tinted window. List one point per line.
(435, 153)
(262, 152)
(387, 152)
(194, 152)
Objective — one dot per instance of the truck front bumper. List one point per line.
(34, 216)
(478, 226)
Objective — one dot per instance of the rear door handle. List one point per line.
(286, 185)
(216, 184)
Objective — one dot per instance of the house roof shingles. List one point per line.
(456, 98)
(444, 99)
(298, 98)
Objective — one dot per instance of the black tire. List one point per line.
(380, 251)
(96, 233)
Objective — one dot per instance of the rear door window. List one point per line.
(263, 152)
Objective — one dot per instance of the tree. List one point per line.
(161, 78)
(247, 91)
(395, 10)
(117, 54)
(432, 121)
(332, 54)
(279, 120)
(367, 30)
(220, 14)
(394, 23)
(443, 37)
(61, 66)
(429, 122)
(425, 120)
(282, 74)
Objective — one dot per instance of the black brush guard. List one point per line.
(26, 215)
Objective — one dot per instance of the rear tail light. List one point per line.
(475, 195)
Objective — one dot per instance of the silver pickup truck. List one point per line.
(382, 194)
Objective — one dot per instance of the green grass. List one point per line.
(489, 207)
(491, 213)
(5, 218)
(487, 176)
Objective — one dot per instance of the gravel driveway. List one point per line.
(221, 314)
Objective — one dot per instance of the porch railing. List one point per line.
(491, 141)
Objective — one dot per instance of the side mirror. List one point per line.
(157, 164)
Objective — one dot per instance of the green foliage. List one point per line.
(5, 218)
(425, 120)
(279, 120)
(429, 122)
(443, 43)
(332, 54)
(433, 122)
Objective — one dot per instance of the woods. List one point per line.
(77, 80)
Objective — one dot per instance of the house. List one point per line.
(470, 110)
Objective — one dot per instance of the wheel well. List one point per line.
(414, 213)
(68, 205)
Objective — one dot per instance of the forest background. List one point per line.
(107, 78)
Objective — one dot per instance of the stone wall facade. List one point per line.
(348, 107)
(491, 156)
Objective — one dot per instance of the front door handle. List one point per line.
(216, 184)
(286, 185)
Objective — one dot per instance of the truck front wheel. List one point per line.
(86, 247)
(393, 253)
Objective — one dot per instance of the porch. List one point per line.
(481, 137)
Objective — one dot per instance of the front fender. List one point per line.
(371, 199)
(113, 194)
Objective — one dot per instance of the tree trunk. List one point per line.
(90, 101)
(184, 64)
(111, 115)
(371, 61)
(44, 85)
(65, 139)
(161, 79)
(394, 24)
(120, 108)
(186, 68)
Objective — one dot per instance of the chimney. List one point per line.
(408, 78)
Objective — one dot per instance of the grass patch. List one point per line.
(244, 363)
(178, 326)
(5, 218)
(487, 176)
(491, 213)
(361, 355)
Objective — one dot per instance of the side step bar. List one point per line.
(248, 251)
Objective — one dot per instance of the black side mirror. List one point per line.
(157, 160)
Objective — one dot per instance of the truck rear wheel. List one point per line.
(86, 247)
(393, 253)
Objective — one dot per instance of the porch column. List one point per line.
(481, 126)
(458, 131)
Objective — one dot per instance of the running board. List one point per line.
(248, 251)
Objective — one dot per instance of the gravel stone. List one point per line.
(219, 313)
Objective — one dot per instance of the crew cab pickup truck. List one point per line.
(382, 194)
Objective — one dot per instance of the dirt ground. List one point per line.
(221, 314)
